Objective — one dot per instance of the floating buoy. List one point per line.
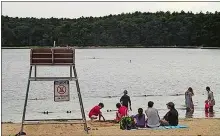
(68, 111)
(45, 112)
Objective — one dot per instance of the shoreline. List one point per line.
(113, 47)
(196, 127)
(89, 121)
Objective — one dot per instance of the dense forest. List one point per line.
(130, 29)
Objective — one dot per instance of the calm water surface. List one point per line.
(163, 72)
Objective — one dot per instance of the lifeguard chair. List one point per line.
(53, 57)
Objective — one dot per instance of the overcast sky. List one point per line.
(78, 9)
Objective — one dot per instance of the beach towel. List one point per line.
(163, 127)
(178, 126)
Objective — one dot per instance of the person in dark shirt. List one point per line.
(125, 99)
(171, 118)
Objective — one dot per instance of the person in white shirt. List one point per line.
(210, 99)
(153, 119)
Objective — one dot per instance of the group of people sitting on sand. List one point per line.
(152, 118)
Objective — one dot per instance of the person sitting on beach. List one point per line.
(140, 119)
(125, 99)
(122, 111)
(171, 118)
(96, 111)
(153, 118)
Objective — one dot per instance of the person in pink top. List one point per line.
(206, 106)
(122, 111)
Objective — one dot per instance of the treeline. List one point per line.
(131, 29)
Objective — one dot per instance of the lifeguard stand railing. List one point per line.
(53, 57)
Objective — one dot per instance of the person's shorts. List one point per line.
(93, 117)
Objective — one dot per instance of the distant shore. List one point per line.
(196, 127)
(112, 47)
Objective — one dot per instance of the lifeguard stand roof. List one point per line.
(52, 56)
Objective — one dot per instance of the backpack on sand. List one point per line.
(127, 123)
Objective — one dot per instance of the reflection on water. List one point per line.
(189, 113)
(209, 114)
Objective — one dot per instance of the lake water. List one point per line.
(163, 72)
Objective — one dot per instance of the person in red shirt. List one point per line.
(96, 111)
(122, 111)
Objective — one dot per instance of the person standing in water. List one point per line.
(188, 100)
(125, 99)
(210, 99)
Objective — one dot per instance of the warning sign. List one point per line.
(61, 91)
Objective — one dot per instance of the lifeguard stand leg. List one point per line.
(26, 99)
(80, 100)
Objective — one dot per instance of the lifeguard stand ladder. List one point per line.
(53, 57)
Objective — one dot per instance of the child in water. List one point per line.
(140, 119)
(206, 106)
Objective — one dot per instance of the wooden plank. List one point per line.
(52, 119)
(53, 123)
(51, 78)
(52, 56)
(52, 64)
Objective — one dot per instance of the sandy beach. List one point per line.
(197, 127)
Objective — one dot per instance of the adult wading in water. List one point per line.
(125, 99)
(188, 100)
(210, 99)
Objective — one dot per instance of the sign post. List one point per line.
(61, 90)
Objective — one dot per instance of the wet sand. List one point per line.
(197, 127)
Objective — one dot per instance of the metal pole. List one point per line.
(35, 71)
(80, 100)
(71, 72)
(26, 98)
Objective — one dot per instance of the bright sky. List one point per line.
(96, 9)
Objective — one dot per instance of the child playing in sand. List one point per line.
(122, 112)
(95, 111)
(206, 106)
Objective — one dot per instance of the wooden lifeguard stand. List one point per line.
(53, 57)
